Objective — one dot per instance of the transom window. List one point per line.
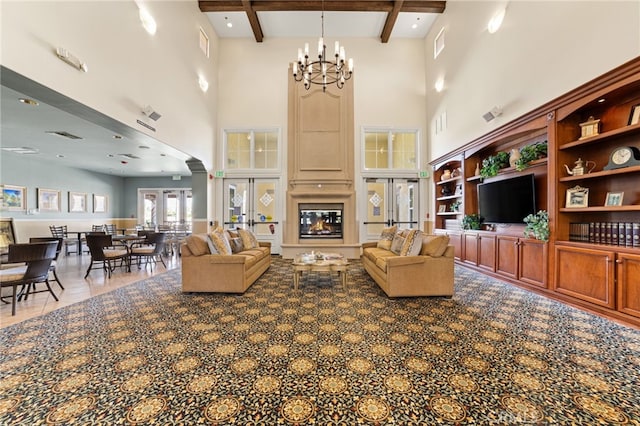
(251, 149)
(390, 149)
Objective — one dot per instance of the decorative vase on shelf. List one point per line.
(446, 175)
(477, 172)
(513, 157)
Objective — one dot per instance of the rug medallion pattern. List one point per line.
(324, 355)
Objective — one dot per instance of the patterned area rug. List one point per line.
(146, 353)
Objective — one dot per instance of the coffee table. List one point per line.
(317, 262)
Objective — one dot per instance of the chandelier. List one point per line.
(322, 71)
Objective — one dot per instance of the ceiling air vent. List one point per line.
(21, 150)
(131, 156)
(63, 134)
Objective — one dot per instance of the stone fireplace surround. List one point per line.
(320, 193)
(320, 165)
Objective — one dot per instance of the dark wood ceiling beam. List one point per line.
(414, 6)
(390, 21)
(253, 20)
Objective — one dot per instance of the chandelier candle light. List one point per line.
(322, 71)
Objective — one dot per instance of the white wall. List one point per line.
(128, 68)
(543, 50)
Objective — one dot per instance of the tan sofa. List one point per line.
(217, 273)
(429, 273)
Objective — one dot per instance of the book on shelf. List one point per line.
(580, 231)
(623, 234)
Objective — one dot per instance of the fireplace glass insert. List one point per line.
(320, 220)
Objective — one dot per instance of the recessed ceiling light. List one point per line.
(110, 155)
(415, 25)
(163, 155)
(144, 147)
(29, 101)
(601, 100)
(117, 137)
(229, 23)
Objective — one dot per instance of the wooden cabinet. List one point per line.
(628, 280)
(586, 274)
(522, 259)
(586, 124)
(532, 262)
(479, 249)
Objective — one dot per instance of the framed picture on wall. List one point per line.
(7, 234)
(48, 200)
(13, 197)
(77, 202)
(99, 203)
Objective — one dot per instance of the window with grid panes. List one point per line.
(251, 149)
(392, 150)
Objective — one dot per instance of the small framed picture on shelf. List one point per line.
(442, 208)
(577, 197)
(614, 199)
(634, 117)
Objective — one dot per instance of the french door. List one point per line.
(389, 201)
(254, 204)
(158, 207)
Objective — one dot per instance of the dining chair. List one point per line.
(37, 258)
(52, 268)
(104, 254)
(110, 228)
(151, 249)
(61, 232)
(97, 228)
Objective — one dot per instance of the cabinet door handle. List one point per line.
(619, 261)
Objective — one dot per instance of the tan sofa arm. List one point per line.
(265, 243)
(369, 244)
(404, 260)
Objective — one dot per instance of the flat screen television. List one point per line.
(508, 200)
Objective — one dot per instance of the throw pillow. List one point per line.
(249, 240)
(434, 245)
(212, 248)
(197, 245)
(220, 241)
(412, 243)
(386, 237)
(396, 244)
(236, 245)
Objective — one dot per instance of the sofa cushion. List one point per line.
(197, 244)
(386, 237)
(434, 245)
(412, 243)
(397, 243)
(220, 241)
(249, 240)
(236, 245)
(212, 248)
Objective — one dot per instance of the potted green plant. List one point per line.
(537, 225)
(472, 221)
(492, 164)
(530, 153)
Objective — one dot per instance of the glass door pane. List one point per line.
(377, 207)
(405, 208)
